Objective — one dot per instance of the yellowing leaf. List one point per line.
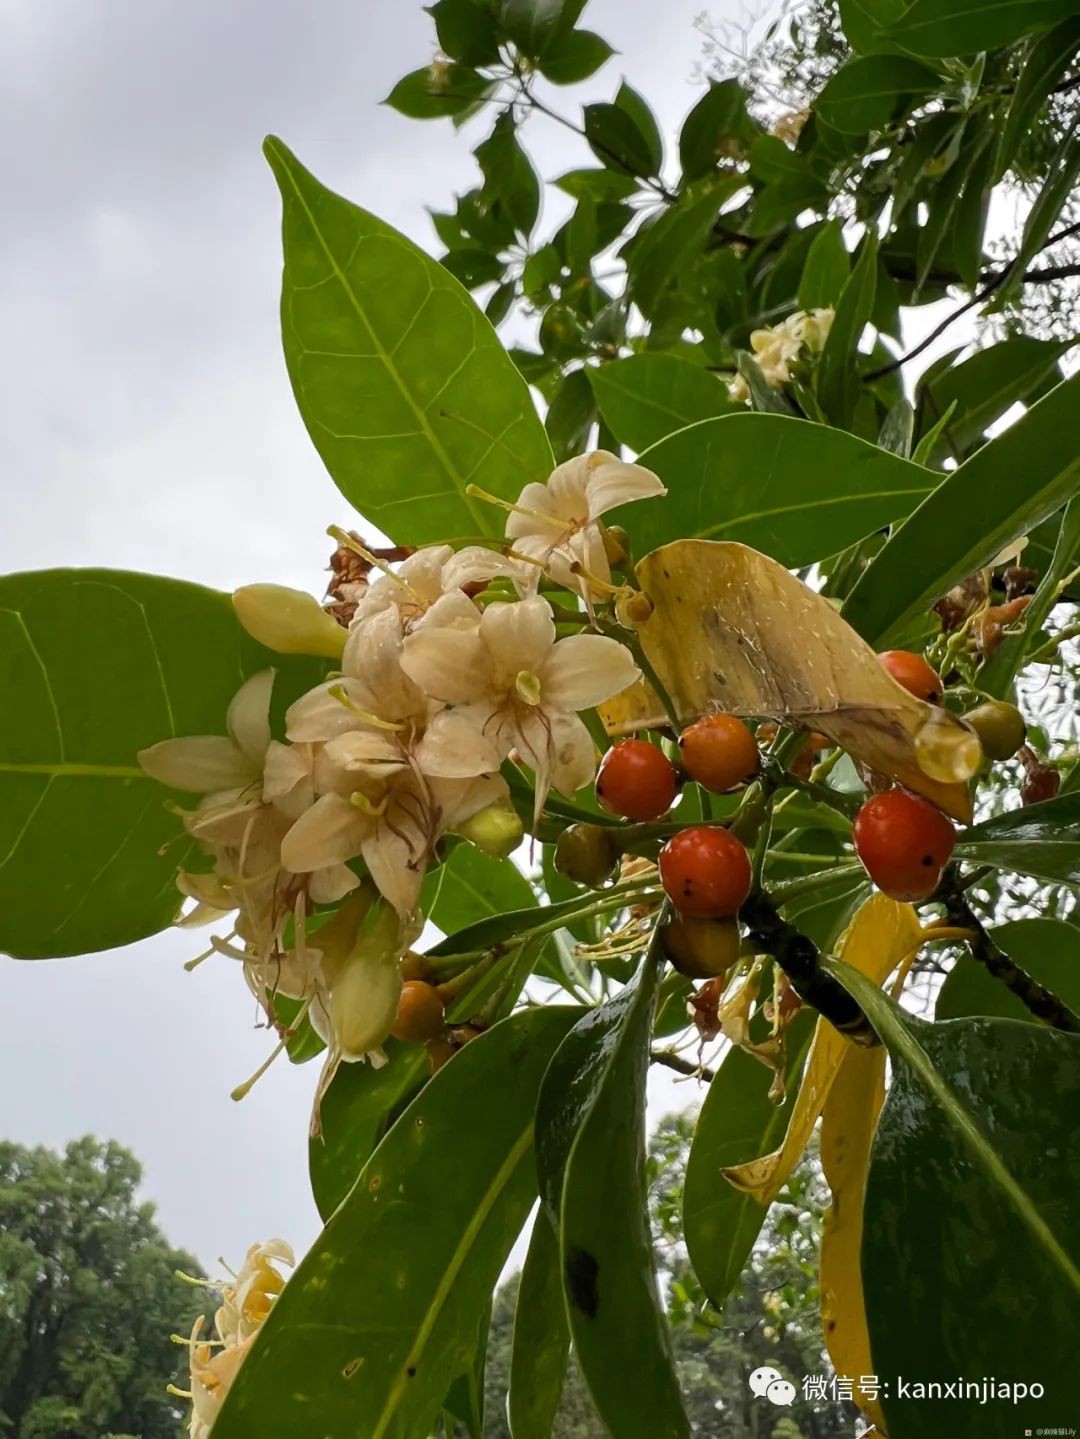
(847, 1131)
(875, 942)
(732, 630)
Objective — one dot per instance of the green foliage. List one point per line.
(1046, 949)
(90, 1298)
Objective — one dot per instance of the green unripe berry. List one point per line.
(587, 854)
(1000, 727)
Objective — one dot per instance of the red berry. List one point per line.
(636, 780)
(706, 872)
(916, 676)
(719, 752)
(904, 844)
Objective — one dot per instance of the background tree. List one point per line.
(89, 1298)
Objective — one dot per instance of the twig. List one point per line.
(1034, 996)
(670, 1060)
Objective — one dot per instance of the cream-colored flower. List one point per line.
(427, 575)
(774, 348)
(513, 686)
(209, 764)
(556, 525)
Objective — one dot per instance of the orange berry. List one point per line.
(706, 872)
(636, 780)
(420, 1013)
(719, 752)
(913, 672)
(904, 844)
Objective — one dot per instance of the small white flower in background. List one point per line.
(513, 686)
(556, 524)
(246, 1301)
(775, 347)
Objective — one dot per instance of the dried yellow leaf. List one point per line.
(847, 1131)
(733, 630)
(874, 943)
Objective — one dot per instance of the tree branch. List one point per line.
(670, 1060)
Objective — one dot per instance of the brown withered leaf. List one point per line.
(733, 630)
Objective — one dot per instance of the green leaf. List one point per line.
(1064, 166)
(827, 268)
(1042, 840)
(616, 1318)
(616, 140)
(986, 385)
(433, 92)
(997, 674)
(472, 886)
(940, 28)
(838, 376)
(738, 1122)
(765, 399)
(541, 1343)
(407, 1266)
(964, 242)
(1046, 63)
(466, 31)
(961, 1202)
(665, 248)
(571, 415)
(473, 267)
(867, 93)
(865, 22)
(1046, 949)
(96, 665)
(404, 387)
(598, 184)
(943, 203)
(645, 397)
(971, 516)
(573, 56)
(465, 1398)
(718, 127)
(532, 24)
(635, 105)
(897, 429)
(509, 173)
(797, 491)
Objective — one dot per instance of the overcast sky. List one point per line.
(149, 424)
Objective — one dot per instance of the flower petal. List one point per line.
(373, 657)
(287, 780)
(326, 711)
(330, 832)
(547, 515)
(456, 745)
(331, 884)
(475, 564)
(248, 716)
(201, 763)
(397, 859)
(458, 800)
(572, 754)
(447, 663)
(518, 636)
(613, 482)
(373, 751)
(585, 670)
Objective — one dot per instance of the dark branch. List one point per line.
(670, 1060)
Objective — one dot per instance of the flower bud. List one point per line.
(337, 938)
(292, 622)
(496, 829)
(616, 546)
(364, 998)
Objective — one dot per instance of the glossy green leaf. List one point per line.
(433, 93)
(986, 385)
(1042, 840)
(866, 93)
(466, 31)
(532, 24)
(616, 140)
(541, 1343)
(718, 127)
(827, 268)
(964, 242)
(465, 1398)
(972, 515)
(1046, 63)
(600, 184)
(508, 172)
(738, 1122)
(573, 56)
(997, 674)
(838, 385)
(471, 886)
(795, 490)
(646, 397)
(1046, 949)
(405, 389)
(865, 23)
(943, 205)
(939, 28)
(964, 1207)
(634, 104)
(661, 251)
(407, 1264)
(616, 1317)
(1050, 200)
(897, 429)
(96, 665)
(571, 416)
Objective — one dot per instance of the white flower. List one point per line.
(774, 348)
(513, 687)
(209, 764)
(557, 524)
(426, 576)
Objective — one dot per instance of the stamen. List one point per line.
(180, 1393)
(527, 687)
(365, 806)
(339, 693)
(515, 509)
(242, 1090)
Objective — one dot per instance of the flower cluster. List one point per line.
(450, 666)
(245, 1303)
(774, 348)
